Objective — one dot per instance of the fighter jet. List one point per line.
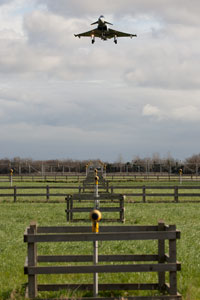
(103, 32)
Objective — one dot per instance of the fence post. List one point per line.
(172, 259)
(71, 207)
(161, 256)
(15, 193)
(67, 214)
(32, 262)
(107, 187)
(176, 194)
(144, 194)
(47, 188)
(111, 189)
(122, 198)
(79, 191)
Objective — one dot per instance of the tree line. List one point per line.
(153, 164)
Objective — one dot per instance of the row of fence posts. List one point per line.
(11, 177)
(176, 193)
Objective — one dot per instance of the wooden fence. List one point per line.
(42, 178)
(48, 192)
(151, 177)
(145, 192)
(161, 262)
(142, 193)
(109, 199)
(110, 177)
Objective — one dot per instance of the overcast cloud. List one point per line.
(61, 97)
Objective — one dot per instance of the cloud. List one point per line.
(2, 2)
(189, 113)
(169, 10)
(47, 29)
(166, 63)
(152, 111)
(60, 96)
(18, 58)
(183, 113)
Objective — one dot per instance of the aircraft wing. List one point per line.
(94, 32)
(112, 33)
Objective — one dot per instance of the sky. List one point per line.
(62, 97)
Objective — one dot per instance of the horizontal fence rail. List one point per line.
(151, 177)
(42, 178)
(109, 176)
(162, 262)
(147, 192)
(136, 193)
(49, 191)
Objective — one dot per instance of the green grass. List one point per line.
(15, 217)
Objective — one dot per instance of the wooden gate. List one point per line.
(114, 202)
(160, 262)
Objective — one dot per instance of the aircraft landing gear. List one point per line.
(115, 39)
(93, 39)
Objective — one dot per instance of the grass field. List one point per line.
(15, 217)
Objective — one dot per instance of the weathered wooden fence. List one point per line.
(137, 193)
(146, 192)
(42, 178)
(73, 206)
(110, 177)
(151, 177)
(49, 191)
(159, 263)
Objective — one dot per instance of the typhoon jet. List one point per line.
(103, 32)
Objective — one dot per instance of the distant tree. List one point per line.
(138, 164)
(192, 164)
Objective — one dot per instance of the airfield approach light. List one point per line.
(95, 217)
